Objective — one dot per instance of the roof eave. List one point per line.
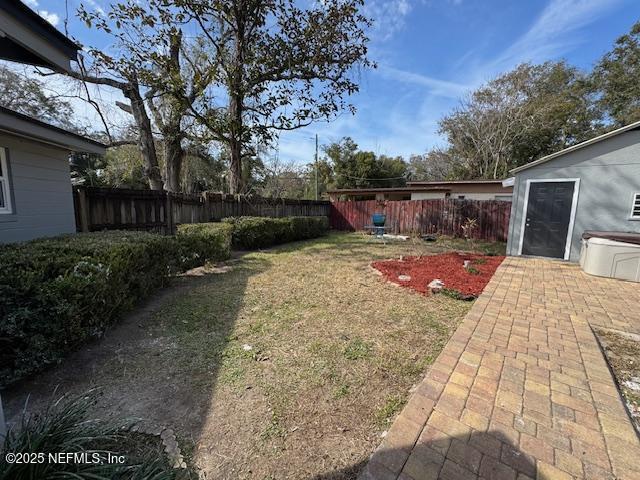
(573, 148)
(28, 38)
(20, 125)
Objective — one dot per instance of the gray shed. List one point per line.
(594, 185)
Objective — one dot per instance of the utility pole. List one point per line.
(316, 166)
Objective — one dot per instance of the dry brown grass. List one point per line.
(623, 354)
(334, 350)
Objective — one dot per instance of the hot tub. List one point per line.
(611, 254)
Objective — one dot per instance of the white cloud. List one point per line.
(97, 7)
(31, 3)
(388, 16)
(50, 17)
(435, 86)
(554, 31)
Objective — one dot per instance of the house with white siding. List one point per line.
(36, 198)
(418, 190)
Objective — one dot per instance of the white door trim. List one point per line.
(572, 219)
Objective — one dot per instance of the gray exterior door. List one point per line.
(547, 220)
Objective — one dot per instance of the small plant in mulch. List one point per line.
(468, 228)
(452, 293)
(449, 267)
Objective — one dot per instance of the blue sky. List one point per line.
(430, 52)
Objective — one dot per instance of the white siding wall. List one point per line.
(41, 187)
(455, 195)
(426, 195)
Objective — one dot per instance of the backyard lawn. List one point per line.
(286, 363)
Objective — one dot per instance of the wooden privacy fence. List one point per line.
(444, 216)
(123, 209)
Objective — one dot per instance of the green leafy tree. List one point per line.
(522, 115)
(86, 169)
(353, 168)
(124, 167)
(280, 65)
(202, 171)
(435, 165)
(617, 78)
(326, 178)
(28, 96)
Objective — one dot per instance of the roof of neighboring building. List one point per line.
(578, 146)
(453, 182)
(24, 126)
(387, 190)
(26, 37)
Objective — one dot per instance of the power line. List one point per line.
(373, 179)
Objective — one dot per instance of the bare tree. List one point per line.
(156, 71)
(523, 114)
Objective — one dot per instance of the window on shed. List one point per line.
(5, 194)
(635, 207)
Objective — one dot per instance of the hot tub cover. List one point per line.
(625, 237)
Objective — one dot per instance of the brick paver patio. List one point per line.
(522, 391)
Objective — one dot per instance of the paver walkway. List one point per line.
(522, 389)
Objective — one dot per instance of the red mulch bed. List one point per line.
(448, 267)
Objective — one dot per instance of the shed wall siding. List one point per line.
(41, 186)
(609, 174)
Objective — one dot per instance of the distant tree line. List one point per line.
(206, 109)
(206, 81)
(535, 110)
(522, 115)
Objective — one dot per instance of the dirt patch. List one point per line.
(418, 272)
(333, 354)
(623, 354)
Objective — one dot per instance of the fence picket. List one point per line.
(125, 209)
(443, 216)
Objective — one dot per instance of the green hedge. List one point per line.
(57, 293)
(202, 242)
(260, 232)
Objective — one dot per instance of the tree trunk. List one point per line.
(174, 155)
(145, 139)
(236, 103)
(236, 183)
(235, 167)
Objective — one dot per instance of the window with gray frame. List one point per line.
(5, 193)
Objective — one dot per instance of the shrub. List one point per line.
(202, 242)
(64, 427)
(260, 232)
(57, 293)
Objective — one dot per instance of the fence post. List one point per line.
(207, 207)
(3, 425)
(84, 210)
(169, 213)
